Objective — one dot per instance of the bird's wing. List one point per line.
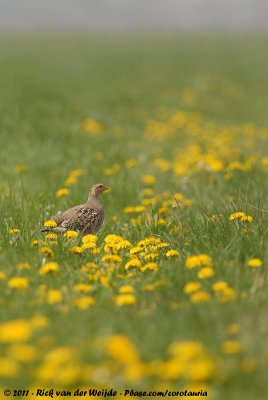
(67, 215)
(81, 218)
(88, 219)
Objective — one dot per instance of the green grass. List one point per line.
(49, 85)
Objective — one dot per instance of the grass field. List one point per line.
(173, 293)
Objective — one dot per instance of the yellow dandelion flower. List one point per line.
(120, 348)
(51, 268)
(112, 170)
(22, 352)
(226, 295)
(89, 238)
(191, 287)
(36, 242)
(215, 217)
(82, 288)
(70, 234)
(187, 203)
(71, 180)
(162, 164)
(112, 238)
(206, 272)
(2, 275)
(46, 251)
(168, 203)
(135, 250)
(254, 263)
(161, 221)
(264, 162)
(95, 250)
(136, 209)
(150, 256)
(178, 196)
(134, 263)
(205, 259)
(91, 126)
(125, 299)
(200, 296)
(148, 180)
(163, 210)
(136, 221)
(186, 349)
(219, 286)
(89, 266)
(193, 262)
(148, 202)
(162, 245)
(113, 258)
(231, 347)
(150, 266)
(89, 245)
(149, 241)
(50, 223)
(233, 329)
(147, 192)
(139, 209)
(8, 367)
(39, 321)
(236, 215)
(84, 302)
(52, 236)
(160, 282)
(18, 330)
(41, 291)
(104, 280)
(150, 287)
(76, 249)
(131, 163)
(126, 289)
(62, 192)
(201, 370)
(54, 296)
(198, 261)
(75, 173)
(124, 244)
(172, 253)
(23, 266)
(246, 218)
(13, 231)
(110, 247)
(18, 282)
(171, 369)
(134, 372)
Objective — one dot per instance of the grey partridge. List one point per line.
(85, 218)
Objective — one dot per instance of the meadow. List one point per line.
(172, 293)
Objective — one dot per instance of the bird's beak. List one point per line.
(107, 188)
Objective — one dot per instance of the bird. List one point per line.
(86, 218)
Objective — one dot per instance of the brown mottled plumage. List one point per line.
(86, 218)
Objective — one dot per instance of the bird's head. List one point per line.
(98, 189)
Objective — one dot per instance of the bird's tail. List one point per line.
(46, 229)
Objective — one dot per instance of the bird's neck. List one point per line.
(94, 200)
